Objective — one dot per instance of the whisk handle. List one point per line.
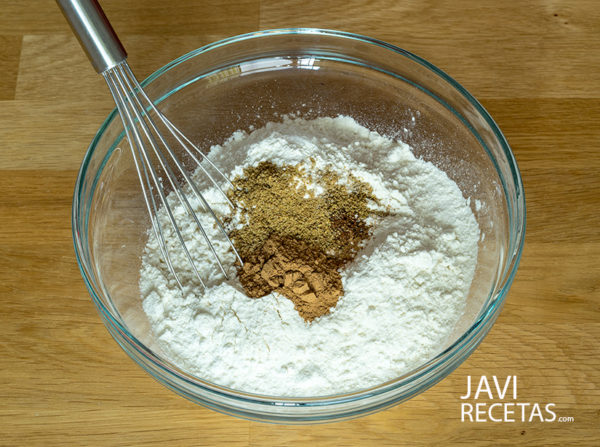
(95, 34)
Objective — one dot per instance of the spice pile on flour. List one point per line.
(295, 240)
(358, 258)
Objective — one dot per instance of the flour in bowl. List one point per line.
(403, 293)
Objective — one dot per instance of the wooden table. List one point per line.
(533, 64)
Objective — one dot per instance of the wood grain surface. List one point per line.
(535, 65)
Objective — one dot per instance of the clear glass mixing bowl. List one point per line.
(255, 78)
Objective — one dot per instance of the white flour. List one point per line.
(403, 294)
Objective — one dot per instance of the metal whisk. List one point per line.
(143, 123)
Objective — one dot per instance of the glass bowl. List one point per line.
(247, 81)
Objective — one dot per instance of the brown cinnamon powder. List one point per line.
(294, 241)
(296, 270)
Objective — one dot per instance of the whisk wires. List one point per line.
(146, 138)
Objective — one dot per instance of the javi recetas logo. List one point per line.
(496, 400)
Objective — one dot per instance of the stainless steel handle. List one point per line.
(95, 34)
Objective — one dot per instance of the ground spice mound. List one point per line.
(294, 240)
(297, 271)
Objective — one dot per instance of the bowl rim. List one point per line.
(444, 357)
